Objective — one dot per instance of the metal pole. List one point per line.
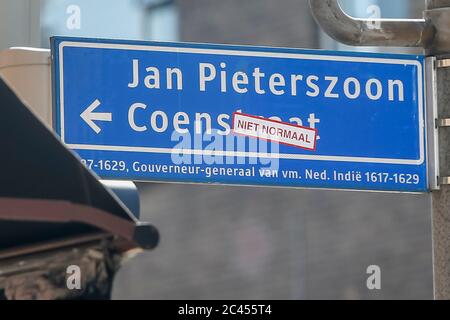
(438, 11)
(433, 34)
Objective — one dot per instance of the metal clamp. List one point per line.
(445, 122)
(443, 63)
(444, 180)
(442, 123)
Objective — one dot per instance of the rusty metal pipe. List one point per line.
(370, 32)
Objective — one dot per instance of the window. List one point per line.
(125, 19)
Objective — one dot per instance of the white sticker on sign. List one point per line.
(277, 131)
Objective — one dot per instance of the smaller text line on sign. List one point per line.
(276, 131)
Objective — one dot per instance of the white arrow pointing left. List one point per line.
(89, 116)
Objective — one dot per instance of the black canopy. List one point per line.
(46, 194)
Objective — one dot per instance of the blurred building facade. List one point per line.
(238, 242)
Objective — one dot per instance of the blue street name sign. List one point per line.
(200, 113)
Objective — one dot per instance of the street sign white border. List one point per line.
(416, 63)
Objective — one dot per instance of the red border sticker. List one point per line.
(276, 131)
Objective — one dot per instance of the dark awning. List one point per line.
(46, 194)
